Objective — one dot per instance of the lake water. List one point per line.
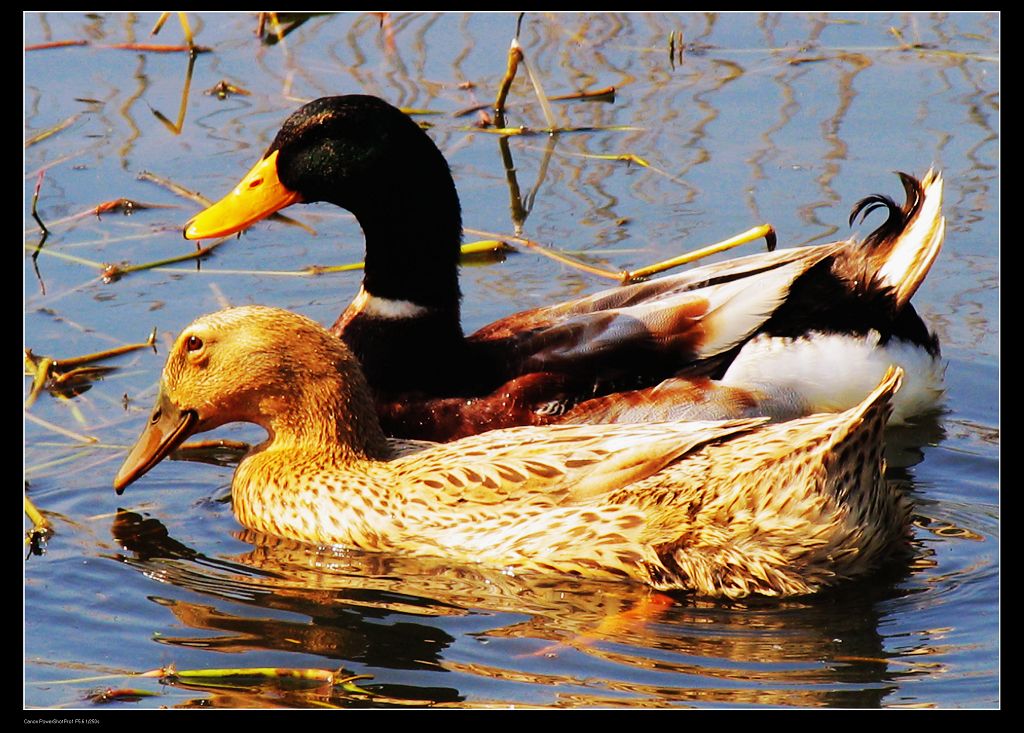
(787, 119)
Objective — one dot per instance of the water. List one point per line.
(785, 118)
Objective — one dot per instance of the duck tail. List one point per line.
(839, 519)
(876, 407)
(858, 443)
(901, 251)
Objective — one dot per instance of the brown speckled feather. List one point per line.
(721, 508)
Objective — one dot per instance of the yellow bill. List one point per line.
(259, 194)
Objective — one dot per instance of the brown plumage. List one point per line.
(720, 508)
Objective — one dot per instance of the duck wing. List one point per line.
(672, 322)
(551, 465)
(686, 318)
(785, 510)
(690, 398)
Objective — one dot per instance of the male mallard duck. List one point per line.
(839, 311)
(721, 508)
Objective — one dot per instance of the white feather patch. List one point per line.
(834, 372)
(739, 308)
(386, 308)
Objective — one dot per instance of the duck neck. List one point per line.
(330, 414)
(407, 309)
(412, 249)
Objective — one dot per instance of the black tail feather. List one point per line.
(899, 216)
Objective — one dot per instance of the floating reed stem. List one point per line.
(46, 370)
(39, 522)
(624, 276)
(763, 230)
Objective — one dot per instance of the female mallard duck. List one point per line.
(720, 508)
(784, 333)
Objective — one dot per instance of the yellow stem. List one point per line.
(76, 361)
(763, 230)
(625, 277)
(38, 520)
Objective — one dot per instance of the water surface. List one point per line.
(783, 118)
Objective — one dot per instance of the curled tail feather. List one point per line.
(904, 247)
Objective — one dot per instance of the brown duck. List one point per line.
(725, 508)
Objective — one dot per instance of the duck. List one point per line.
(783, 333)
(722, 509)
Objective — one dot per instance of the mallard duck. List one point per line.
(726, 508)
(735, 329)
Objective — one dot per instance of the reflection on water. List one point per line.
(739, 119)
(390, 613)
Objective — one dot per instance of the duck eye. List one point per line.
(194, 343)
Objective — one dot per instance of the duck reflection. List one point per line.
(419, 615)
